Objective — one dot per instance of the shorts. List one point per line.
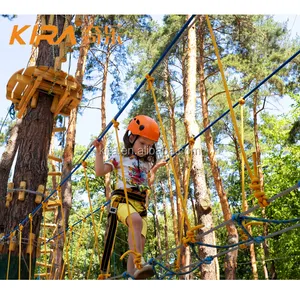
(134, 207)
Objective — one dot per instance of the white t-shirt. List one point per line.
(135, 172)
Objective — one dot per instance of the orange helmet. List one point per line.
(144, 126)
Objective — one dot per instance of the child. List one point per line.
(139, 161)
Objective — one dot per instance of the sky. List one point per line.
(14, 58)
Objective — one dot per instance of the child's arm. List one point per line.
(153, 171)
(100, 167)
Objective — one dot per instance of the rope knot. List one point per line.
(190, 238)
(255, 184)
(237, 218)
(192, 141)
(103, 276)
(84, 164)
(21, 227)
(242, 101)
(150, 81)
(137, 260)
(116, 123)
(208, 260)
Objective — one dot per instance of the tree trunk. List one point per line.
(171, 108)
(166, 230)
(68, 154)
(173, 213)
(31, 165)
(203, 204)
(5, 167)
(231, 257)
(103, 120)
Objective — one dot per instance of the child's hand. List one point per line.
(99, 146)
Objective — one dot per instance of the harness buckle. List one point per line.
(113, 210)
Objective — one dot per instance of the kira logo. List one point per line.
(92, 34)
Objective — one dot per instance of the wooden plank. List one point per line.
(62, 102)
(52, 157)
(25, 100)
(59, 129)
(60, 81)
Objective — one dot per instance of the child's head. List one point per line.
(140, 138)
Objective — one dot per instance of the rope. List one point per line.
(137, 260)
(190, 233)
(84, 164)
(30, 244)
(67, 255)
(12, 235)
(20, 250)
(281, 194)
(78, 247)
(150, 86)
(176, 38)
(44, 232)
(259, 194)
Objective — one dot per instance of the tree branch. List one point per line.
(222, 92)
(262, 107)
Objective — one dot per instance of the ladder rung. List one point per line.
(42, 239)
(59, 129)
(47, 251)
(52, 203)
(55, 158)
(50, 209)
(41, 264)
(42, 275)
(54, 174)
(48, 225)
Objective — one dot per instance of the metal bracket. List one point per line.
(113, 210)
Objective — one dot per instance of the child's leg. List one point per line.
(137, 225)
(130, 264)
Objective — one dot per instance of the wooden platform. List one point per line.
(24, 85)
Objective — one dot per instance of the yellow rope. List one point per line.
(20, 249)
(44, 205)
(190, 235)
(243, 163)
(254, 180)
(67, 255)
(62, 211)
(191, 143)
(138, 257)
(92, 254)
(30, 241)
(103, 276)
(9, 252)
(69, 244)
(91, 260)
(78, 247)
(84, 164)
(150, 81)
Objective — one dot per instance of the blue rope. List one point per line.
(270, 221)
